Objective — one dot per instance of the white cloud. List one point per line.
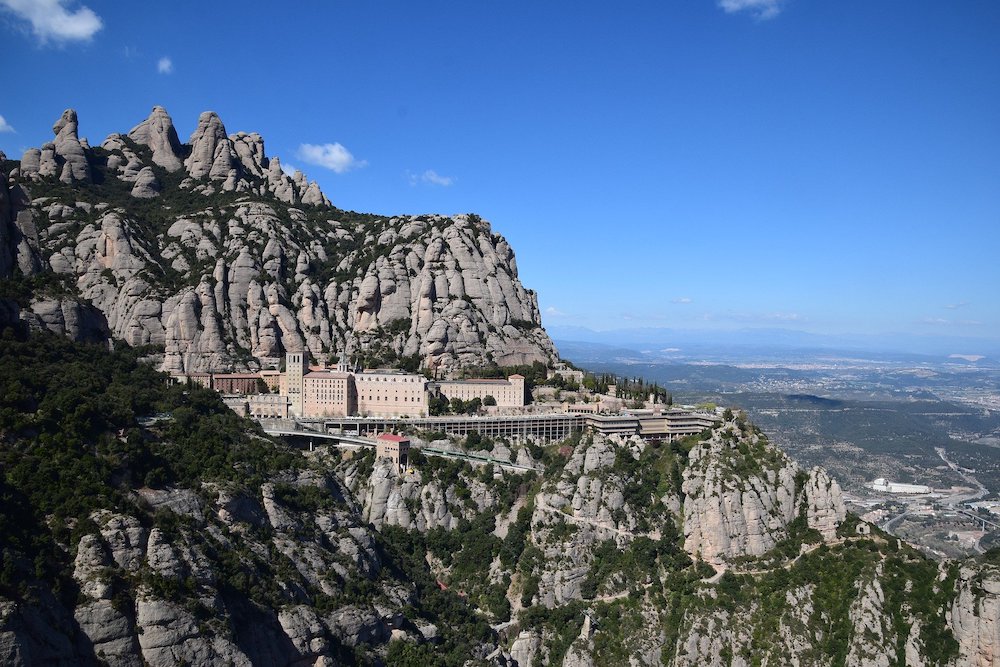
(681, 299)
(430, 177)
(165, 65)
(5, 126)
(956, 306)
(329, 156)
(289, 169)
(940, 321)
(762, 9)
(53, 19)
(554, 312)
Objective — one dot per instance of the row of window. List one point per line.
(401, 378)
(406, 399)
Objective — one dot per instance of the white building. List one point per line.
(885, 486)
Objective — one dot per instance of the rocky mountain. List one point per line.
(144, 523)
(210, 249)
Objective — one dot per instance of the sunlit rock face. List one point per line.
(237, 262)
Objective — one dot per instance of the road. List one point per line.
(953, 501)
(600, 525)
(291, 429)
(969, 479)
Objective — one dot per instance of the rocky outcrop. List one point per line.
(69, 150)
(741, 493)
(78, 321)
(275, 270)
(526, 649)
(204, 142)
(872, 640)
(974, 617)
(586, 506)
(411, 499)
(146, 185)
(7, 244)
(158, 133)
(183, 613)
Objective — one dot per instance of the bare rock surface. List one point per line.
(146, 185)
(69, 149)
(742, 493)
(243, 263)
(158, 133)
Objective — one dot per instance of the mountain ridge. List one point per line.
(211, 250)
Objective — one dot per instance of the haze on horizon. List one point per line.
(825, 167)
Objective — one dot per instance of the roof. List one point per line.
(386, 371)
(476, 381)
(326, 375)
(390, 437)
(515, 376)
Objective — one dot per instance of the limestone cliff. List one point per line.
(741, 494)
(211, 250)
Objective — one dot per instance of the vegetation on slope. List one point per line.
(82, 429)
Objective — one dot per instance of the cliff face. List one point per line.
(192, 538)
(185, 609)
(974, 616)
(610, 540)
(742, 493)
(714, 550)
(213, 251)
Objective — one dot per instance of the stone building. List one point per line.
(328, 394)
(268, 406)
(388, 393)
(272, 380)
(396, 448)
(236, 383)
(340, 392)
(296, 367)
(508, 393)
(204, 379)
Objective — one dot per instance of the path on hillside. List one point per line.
(542, 505)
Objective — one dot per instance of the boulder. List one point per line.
(146, 185)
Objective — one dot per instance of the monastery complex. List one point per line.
(308, 391)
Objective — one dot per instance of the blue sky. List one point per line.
(824, 166)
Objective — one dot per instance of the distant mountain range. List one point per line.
(683, 344)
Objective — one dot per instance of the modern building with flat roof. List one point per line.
(390, 393)
(236, 383)
(328, 394)
(508, 393)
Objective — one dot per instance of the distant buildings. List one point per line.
(885, 486)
